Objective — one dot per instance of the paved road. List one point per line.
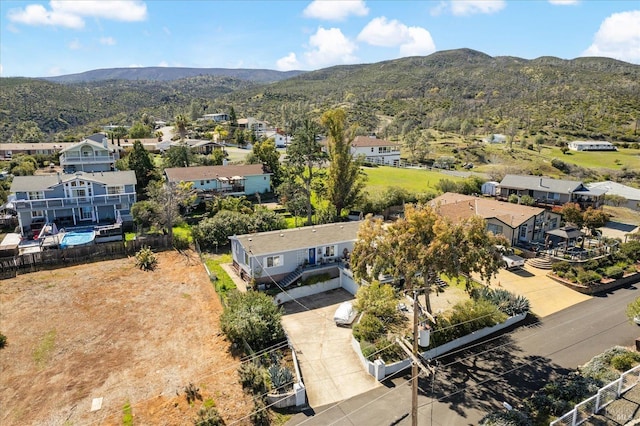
(507, 368)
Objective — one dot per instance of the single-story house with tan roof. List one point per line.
(234, 180)
(518, 223)
(268, 257)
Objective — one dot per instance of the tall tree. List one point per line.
(304, 154)
(345, 181)
(119, 133)
(420, 246)
(265, 152)
(180, 125)
(169, 198)
(141, 163)
(178, 156)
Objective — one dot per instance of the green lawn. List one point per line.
(413, 180)
(614, 160)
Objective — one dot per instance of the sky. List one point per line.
(58, 37)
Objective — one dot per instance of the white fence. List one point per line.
(605, 396)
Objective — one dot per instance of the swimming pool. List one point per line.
(77, 238)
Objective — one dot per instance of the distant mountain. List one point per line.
(173, 73)
(558, 99)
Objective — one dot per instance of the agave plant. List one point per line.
(281, 378)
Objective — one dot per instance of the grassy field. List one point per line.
(613, 160)
(413, 180)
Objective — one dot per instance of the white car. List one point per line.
(345, 314)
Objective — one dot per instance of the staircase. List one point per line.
(543, 261)
(289, 279)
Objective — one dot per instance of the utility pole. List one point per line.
(414, 365)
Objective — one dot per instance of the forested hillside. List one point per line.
(461, 91)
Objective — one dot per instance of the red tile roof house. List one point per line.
(518, 223)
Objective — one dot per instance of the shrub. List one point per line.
(505, 301)
(614, 272)
(513, 198)
(146, 259)
(561, 267)
(506, 418)
(260, 414)
(623, 362)
(560, 396)
(3, 341)
(369, 328)
(281, 378)
(253, 318)
(180, 242)
(208, 416)
(465, 318)
(588, 277)
(253, 378)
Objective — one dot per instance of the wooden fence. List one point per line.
(56, 258)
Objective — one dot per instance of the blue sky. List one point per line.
(46, 38)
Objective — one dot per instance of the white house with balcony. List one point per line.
(75, 199)
(89, 155)
(376, 151)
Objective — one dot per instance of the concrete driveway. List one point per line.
(331, 370)
(545, 295)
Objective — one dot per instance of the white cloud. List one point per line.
(135, 66)
(618, 37)
(412, 41)
(288, 63)
(1, 69)
(472, 7)
(333, 10)
(54, 71)
(329, 47)
(163, 64)
(108, 41)
(71, 14)
(564, 2)
(75, 44)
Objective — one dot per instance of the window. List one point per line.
(114, 190)
(496, 229)
(523, 232)
(37, 213)
(36, 195)
(553, 196)
(86, 213)
(329, 251)
(272, 261)
(246, 258)
(553, 223)
(201, 182)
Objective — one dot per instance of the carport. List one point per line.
(331, 370)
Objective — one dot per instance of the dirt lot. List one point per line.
(110, 330)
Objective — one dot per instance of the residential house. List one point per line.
(92, 154)
(80, 198)
(630, 194)
(518, 223)
(233, 180)
(269, 257)
(495, 138)
(258, 127)
(550, 192)
(591, 146)
(376, 151)
(217, 117)
(9, 150)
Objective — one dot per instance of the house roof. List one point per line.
(566, 232)
(286, 240)
(43, 182)
(366, 141)
(33, 146)
(540, 183)
(90, 142)
(187, 174)
(458, 207)
(615, 188)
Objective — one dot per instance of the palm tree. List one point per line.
(180, 125)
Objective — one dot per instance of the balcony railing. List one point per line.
(86, 159)
(60, 203)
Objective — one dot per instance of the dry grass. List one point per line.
(113, 331)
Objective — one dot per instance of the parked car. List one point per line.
(510, 259)
(345, 314)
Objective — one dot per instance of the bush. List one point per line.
(561, 267)
(208, 416)
(601, 367)
(369, 328)
(260, 414)
(588, 277)
(506, 418)
(254, 378)
(180, 242)
(253, 318)
(625, 361)
(3, 341)
(614, 272)
(146, 259)
(465, 318)
(281, 378)
(513, 198)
